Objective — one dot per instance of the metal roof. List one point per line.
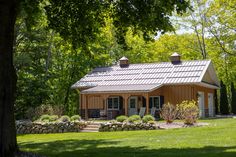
(144, 74)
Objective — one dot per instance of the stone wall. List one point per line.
(117, 126)
(28, 127)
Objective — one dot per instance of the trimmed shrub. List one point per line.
(188, 111)
(64, 118)
(134, 118)
(75, 118)
(44, 118)
(121, 118)
(53, 118)
(148, 118)
(169, 112)
(224, 104)
(151, 122)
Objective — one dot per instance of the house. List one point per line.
(124, 88)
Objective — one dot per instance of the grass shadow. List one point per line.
(107, 148)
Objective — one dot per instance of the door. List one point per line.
(210, 104)
(201, 104)
(133, 103)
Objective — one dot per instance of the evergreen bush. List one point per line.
(224, 105)
(121, 118)
(148, 118)
(134, 118)
(75, 118)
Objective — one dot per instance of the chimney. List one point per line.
(124, 62)
(175, 58)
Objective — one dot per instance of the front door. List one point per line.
(133, 103)
(201, 104)
(210, 105)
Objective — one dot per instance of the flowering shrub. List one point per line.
(188, 111)
(169, 112)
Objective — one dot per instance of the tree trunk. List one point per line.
(8, 145)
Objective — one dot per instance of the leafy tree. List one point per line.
(78, 22)
(224, 106)
(233, 101)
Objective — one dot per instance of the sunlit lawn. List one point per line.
(216, 140)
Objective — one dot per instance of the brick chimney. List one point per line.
(175, 58)
(124, 62)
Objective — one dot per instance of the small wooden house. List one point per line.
(124, 88)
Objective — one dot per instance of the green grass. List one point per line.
(216, 140)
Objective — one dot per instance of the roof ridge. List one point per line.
(154, 63)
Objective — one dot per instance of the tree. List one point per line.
(233, 96)
(216, 102)
(78, 22)
(224, 106)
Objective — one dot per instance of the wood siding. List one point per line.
(174, 94)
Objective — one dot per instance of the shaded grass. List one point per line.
(217, 139)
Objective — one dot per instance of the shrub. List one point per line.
(64, 118)
(169, 112)
(75, 118)
(44, 118)
(151, 122)
(188, 111)
(148, 118)
(35, 113)
(134, 118)
(121, 118)
(53, 118)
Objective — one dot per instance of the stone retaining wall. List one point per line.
(27, 127)
(116, 126)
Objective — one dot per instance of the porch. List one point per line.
(109, 106)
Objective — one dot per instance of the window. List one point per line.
(113, 103)
(154, 101)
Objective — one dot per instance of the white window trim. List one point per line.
(158, 99)
(113, 103)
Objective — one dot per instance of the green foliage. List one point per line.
(148, 118)
(70, 17)
(233, 102)
(75, 118)
(121, 118)
(224, 105)
(169, 112)
(188, 111)
(134, 118)
(64, 118)
(53, 118)
(44, 118)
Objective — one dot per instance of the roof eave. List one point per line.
(208, 85)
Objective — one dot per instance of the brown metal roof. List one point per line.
(141, 75)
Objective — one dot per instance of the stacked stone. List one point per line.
(117, 126)
(27, 127)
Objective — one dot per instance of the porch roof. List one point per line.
(123, 88)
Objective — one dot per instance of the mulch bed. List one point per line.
(175, 125)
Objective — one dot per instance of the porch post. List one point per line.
(126, 105)
(147, 103)
(86, 107)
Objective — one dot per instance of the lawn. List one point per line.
(217, 139)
